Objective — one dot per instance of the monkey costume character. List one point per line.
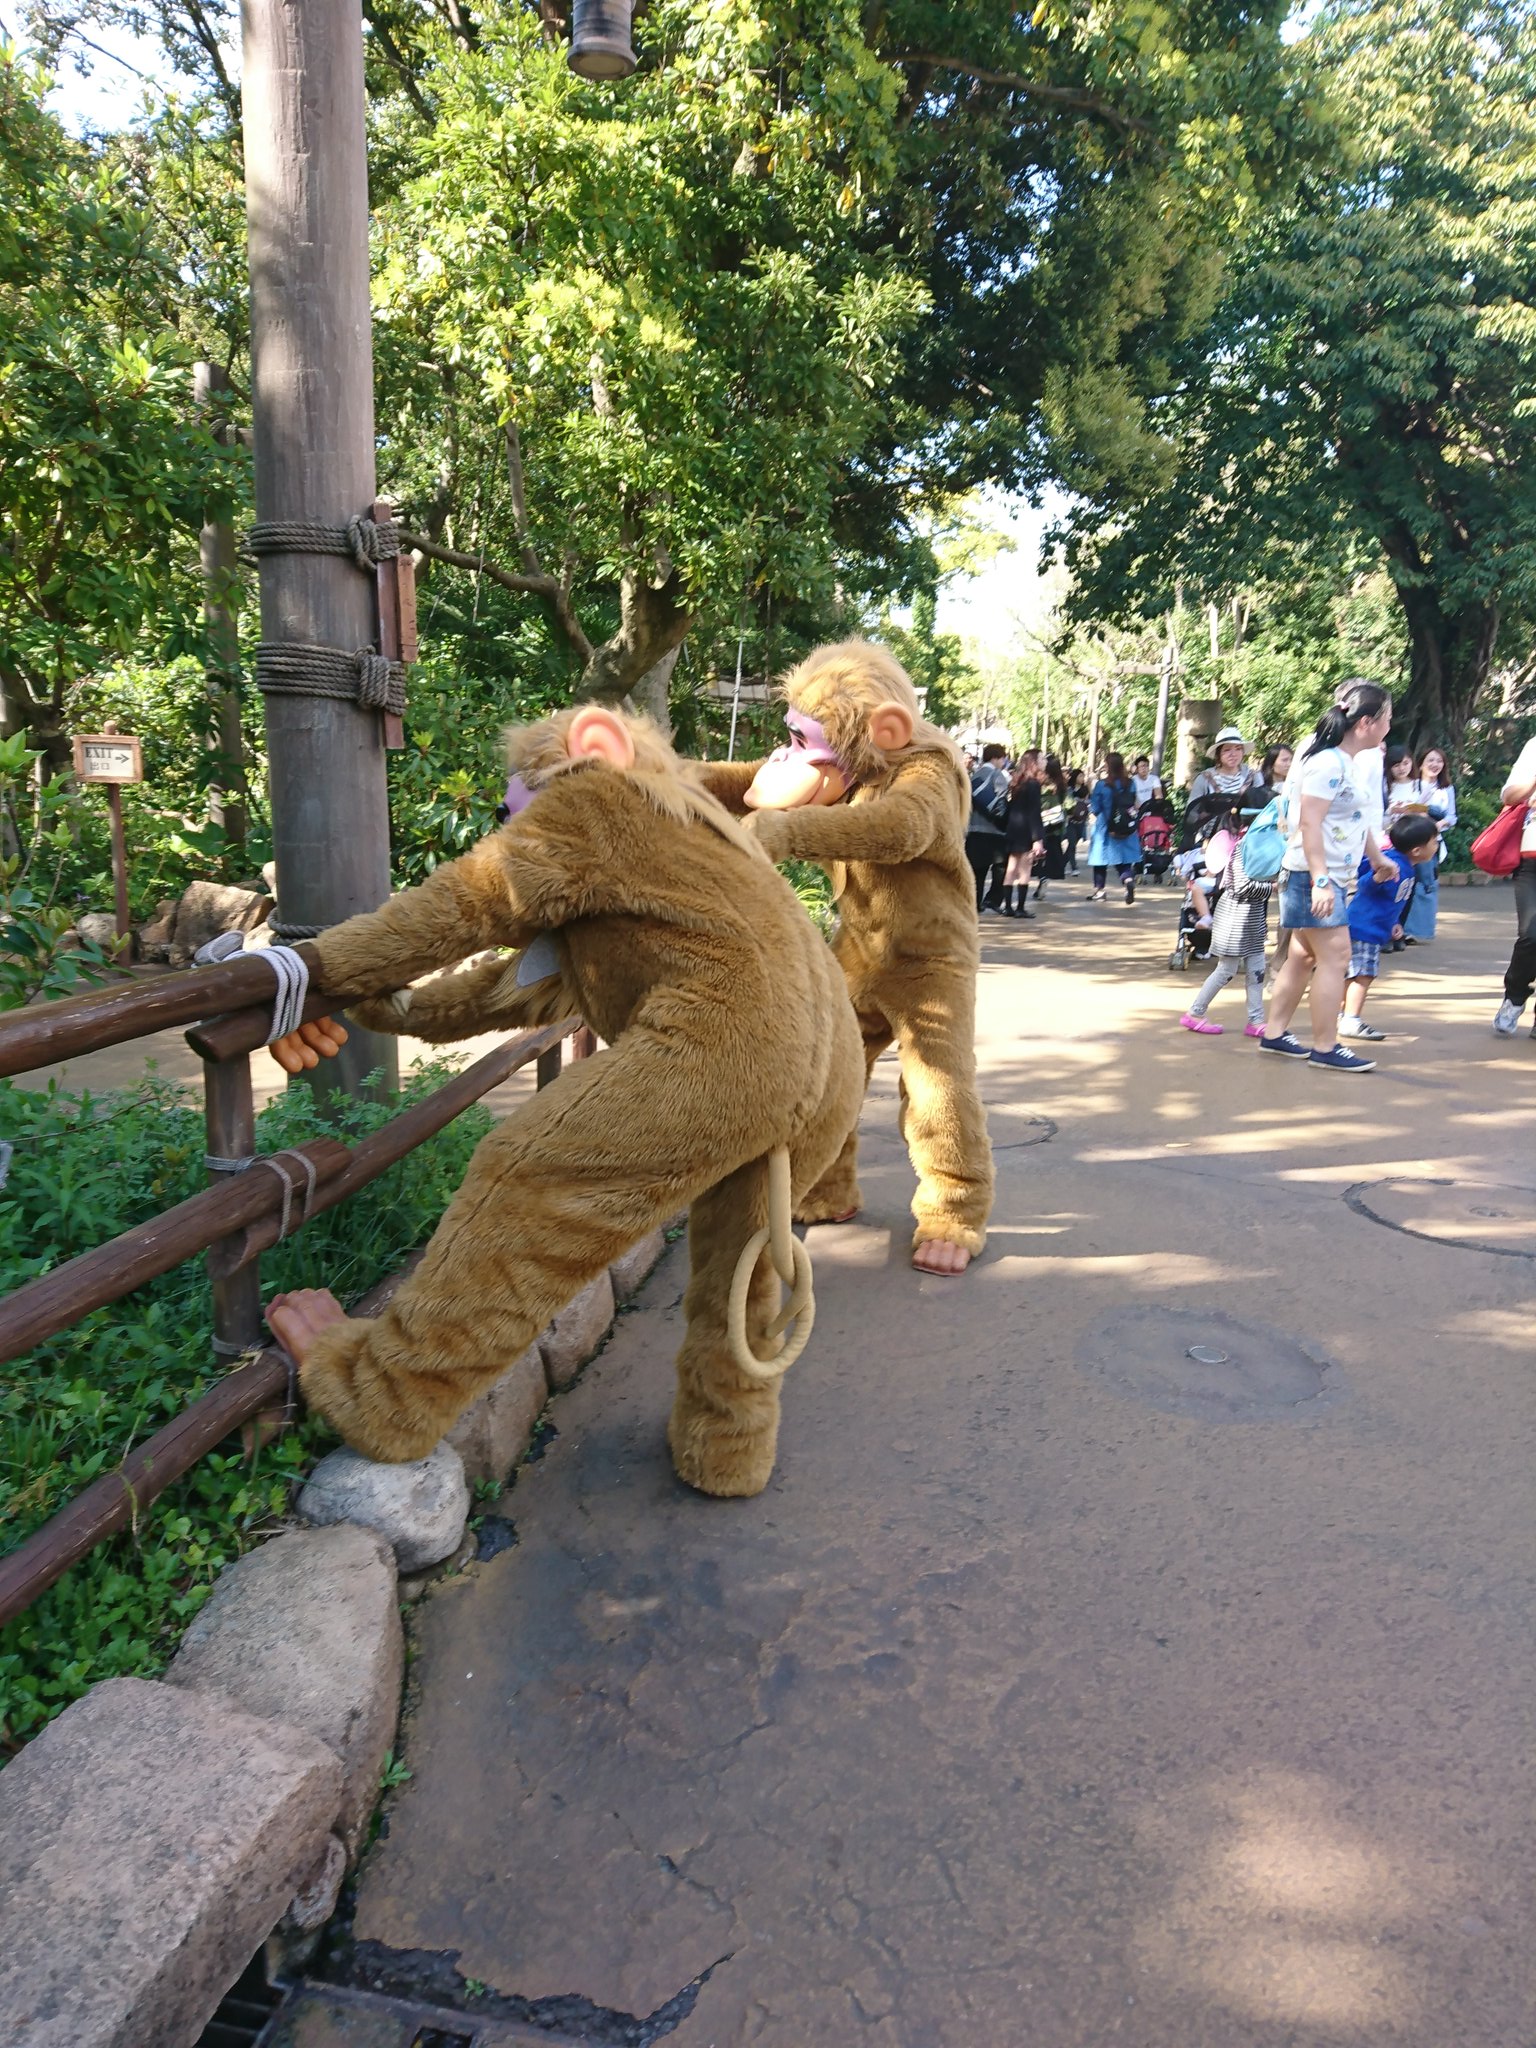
(641, 905)
(880, 799)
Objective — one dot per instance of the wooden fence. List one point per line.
(251, 1202)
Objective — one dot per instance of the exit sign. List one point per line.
(108, 757)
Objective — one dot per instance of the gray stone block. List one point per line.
(577, 1331)
(419, 1509)
(150, 1839)
(628, 1272)
(492, 1435)
(307, 1630)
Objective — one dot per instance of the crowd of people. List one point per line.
(1362, 820)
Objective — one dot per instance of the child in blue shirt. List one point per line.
(1377, 910)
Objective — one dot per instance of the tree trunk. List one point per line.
(651, 693)
(653, 624)
(1450, 654)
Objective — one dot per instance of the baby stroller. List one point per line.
(1192, 941)
(1213, 829)
(1154, 828)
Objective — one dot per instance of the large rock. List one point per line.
(419, 1509)
(577, 1331)
(307, 1630)
(155, 937)
(492, 1435)
(629, 1271)
(150, 1839)
(208, 908)
(98, 928)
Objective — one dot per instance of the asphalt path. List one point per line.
(1063, 1688)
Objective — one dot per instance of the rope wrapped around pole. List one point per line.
(297, 669)
(367, 541)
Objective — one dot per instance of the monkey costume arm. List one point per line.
(899, 825)
(484, 997)
(727, 781)
(524, 879)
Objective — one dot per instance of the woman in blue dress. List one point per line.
(1432, 788)
(1112, 837)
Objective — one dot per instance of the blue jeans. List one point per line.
(1419, 923)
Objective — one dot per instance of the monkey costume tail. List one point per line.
(792, 1263)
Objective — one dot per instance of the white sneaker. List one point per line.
(1507, 1020)
(1356, 1027)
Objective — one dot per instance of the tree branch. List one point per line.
(1063, 95)
(398, 62)
(515, 477)
(549, 588)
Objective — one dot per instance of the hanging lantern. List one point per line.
(600, 45)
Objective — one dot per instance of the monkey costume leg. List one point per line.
(551, 1197)
(942, 1118)
(836, 1196)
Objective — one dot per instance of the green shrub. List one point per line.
(83, 1169)
(813, 886)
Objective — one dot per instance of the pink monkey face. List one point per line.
(807, 770)
(518, 797)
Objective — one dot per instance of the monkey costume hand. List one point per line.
(773, 831)
(321, 1039)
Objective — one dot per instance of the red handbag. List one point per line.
(1497, 850)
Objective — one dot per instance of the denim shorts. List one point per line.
(1296, 902)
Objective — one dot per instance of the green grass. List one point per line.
(82, 1170)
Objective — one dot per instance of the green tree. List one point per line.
(1362, 396)
(104, 475)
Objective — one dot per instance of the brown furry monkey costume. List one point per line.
(886, 817)
(642, 906)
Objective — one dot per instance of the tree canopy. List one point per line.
(1361, 396)
(104, 472)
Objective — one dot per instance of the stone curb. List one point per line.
(157, 1833)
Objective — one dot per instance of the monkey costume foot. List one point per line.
(936, 1255)
(728, 1454)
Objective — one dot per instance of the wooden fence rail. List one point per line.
(47, 1032)
(234, 1220)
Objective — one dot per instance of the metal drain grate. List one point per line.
(244, 2010)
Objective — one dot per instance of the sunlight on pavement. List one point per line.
(1284, 1908)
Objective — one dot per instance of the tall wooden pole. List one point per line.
(226, 797)
(306, 182)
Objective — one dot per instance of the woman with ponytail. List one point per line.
(1330, 832)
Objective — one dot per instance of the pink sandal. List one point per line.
(1253, 1031)
(1203, 1025)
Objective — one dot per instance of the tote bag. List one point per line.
(1497, 850)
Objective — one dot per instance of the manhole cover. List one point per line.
(1202, 1363)
(1473, 1216)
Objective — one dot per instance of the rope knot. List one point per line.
(380, 682)
(372, 541)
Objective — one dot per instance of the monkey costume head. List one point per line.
(853, 716)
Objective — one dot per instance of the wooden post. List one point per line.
(1093, 731)
(229, 1119)
(119, 861)
(226, 797)
(306, 183)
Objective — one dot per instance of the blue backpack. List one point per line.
(1264, 843)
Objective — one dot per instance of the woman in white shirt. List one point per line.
(1432, 788)
(1331, 828)
(1520, 976)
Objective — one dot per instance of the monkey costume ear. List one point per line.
(597, 734)
(890, 728)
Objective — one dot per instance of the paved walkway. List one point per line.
(1062, 1690)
